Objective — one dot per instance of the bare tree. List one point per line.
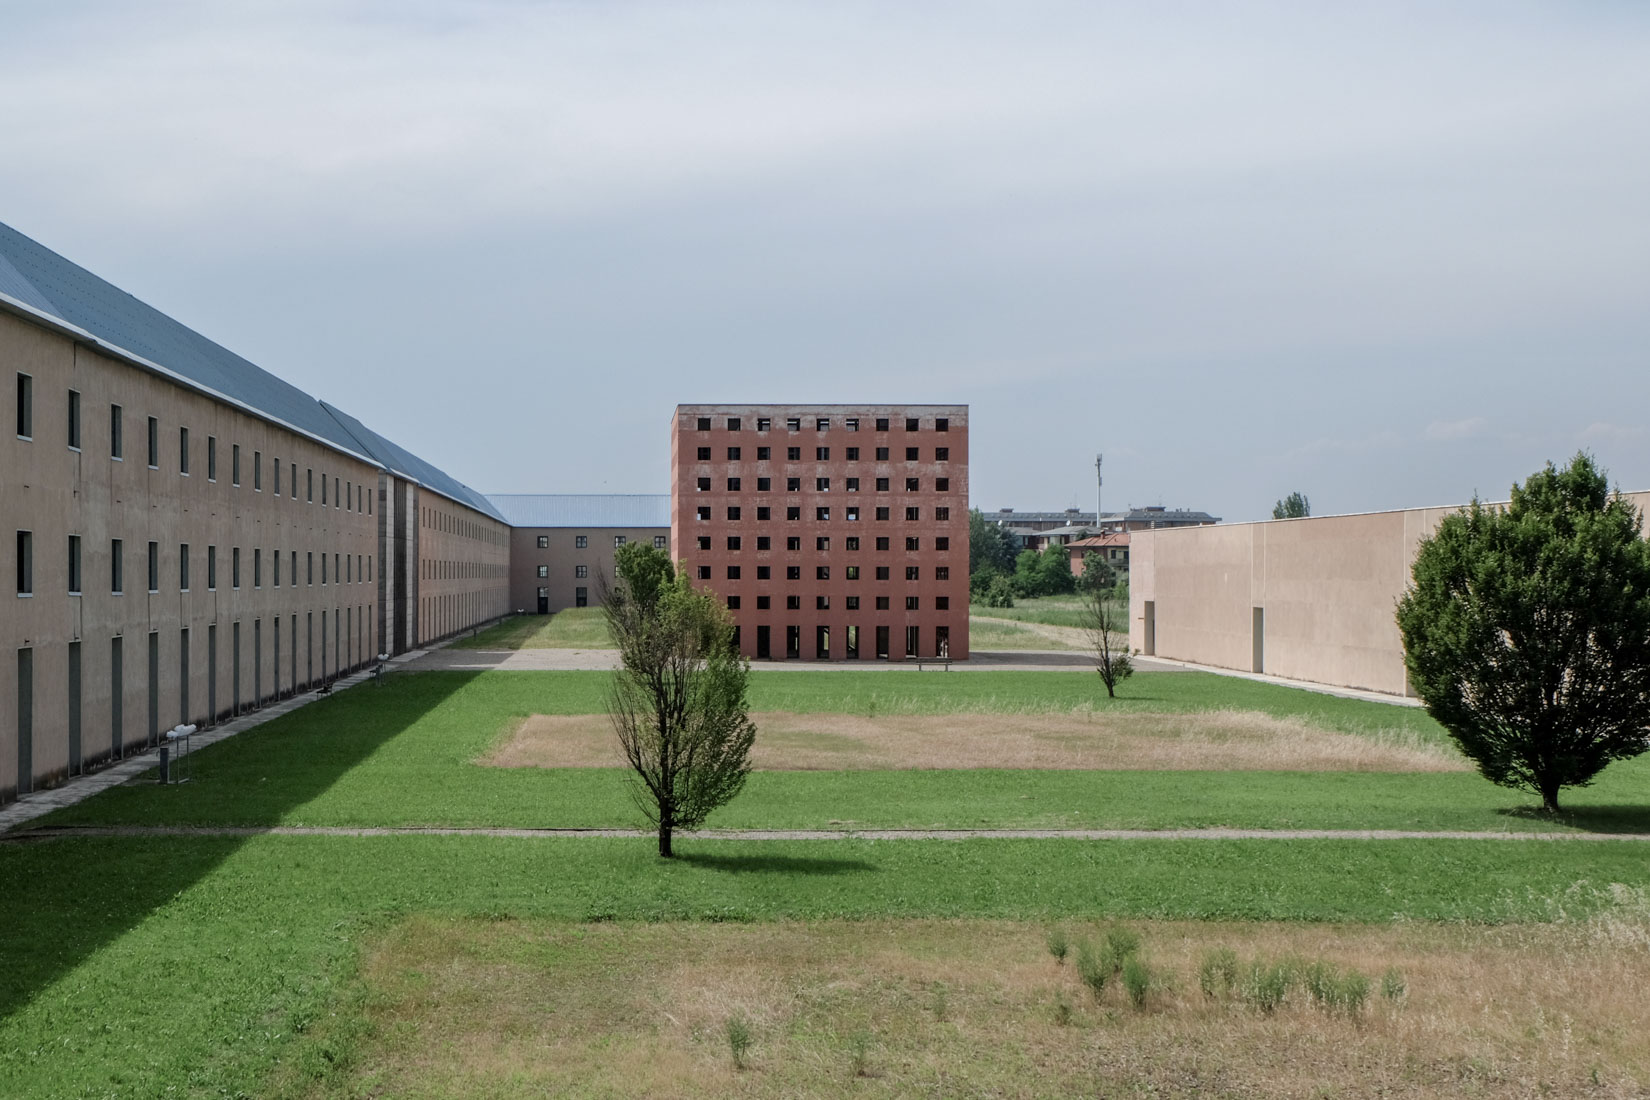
(678, 702)
(1108, 638)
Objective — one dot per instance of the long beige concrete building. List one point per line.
(1304, 599)
(187, 536)
(562, 545)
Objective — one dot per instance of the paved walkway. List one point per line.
(812, 834)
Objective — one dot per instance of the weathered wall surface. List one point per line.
(1325, 589)
(562, 559)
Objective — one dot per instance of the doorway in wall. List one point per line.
(1258, 638)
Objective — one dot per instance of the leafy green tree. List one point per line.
(1527, 631)
(1097, 574)
(1293, 506)
(999, 593)
(1055, 567)
(678, 701)
(989, 546)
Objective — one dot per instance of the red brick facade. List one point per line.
(832, 532)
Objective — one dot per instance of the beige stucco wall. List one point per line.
(561, 560)
(1327, 586)
(54, 491)
(463, 567)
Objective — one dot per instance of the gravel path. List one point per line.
(811, 834)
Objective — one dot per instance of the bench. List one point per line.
(945, 662)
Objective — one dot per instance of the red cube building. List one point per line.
(832, 532)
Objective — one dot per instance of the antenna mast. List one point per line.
(1099, 487)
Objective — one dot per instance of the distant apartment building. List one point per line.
(562, 545)
(831, 532)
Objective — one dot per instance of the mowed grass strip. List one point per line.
(239, 946)
(409, 751)
(573, 628)
(913, 1007)
(985, 635)
(1066, 611)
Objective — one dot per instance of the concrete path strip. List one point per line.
(52, 832)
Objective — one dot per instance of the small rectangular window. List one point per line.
(793, 454)
(882, 603)
(257, 471)
(618, 540)
(793, 542)
(882, 572)
(154, 567)
(822, 603)
(852, 604)
(733, 423)
(822, 424)
(211, 568)
(581, 542)
(704, 423)
(662, 541)
(823, 515)
(763, 572)
(74, 419)
(543, 542)
(309, 484)
(942, 454)
(275, 468)
(235, 568)
(733, 603)
(544, 571)
(822, 572)
(910, 423)
(911, 454)
(882, 423)
(733, 512)
(733, 572)
(235, 465)
(793, 603)
(793, 512)
(943, 542)
(942, 572)
(74, 565)
(913, 572)
(942, 603)
(912, 542)
(764, 602)
(704, 572)
(942, 485)
(851, 572)
(851, 542)
(763, 453)
(257, 567)
(117, 572)
(822, 454)
(764, 484)
(822, 484)
(702, 484)
(580, 572)
(704, 542)
(733, 454)
(913, 514)
(853, 454)
(183, 567)
(822, 542)
(733, 485)
(911, 603)
(25, 406)
(793, 485)
(763, 542)
(275, 560)
(913, 485)
(702, 512)
(942, 424)
(763, 424)
(793, 423)
(154, 443)
(882, 513)
(851, 424)
(853, 484)
(702, 454)
(942, 513)
(793, 572)
(115, 448)
(734, 542)
(882, 542)
(25, 563)
(211, 458)
(764, 513)
(882, 454)
(294, 481)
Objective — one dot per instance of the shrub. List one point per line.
(739, 1039)
(1062, 1008)
(859, 1054)
(1392, 984)
(1219, 973)
(1266, 986)
(1137, 980)
(1092, 968)
(1058, 945)
(1351, 992)
(942, 1000)
(1121, 944)
(999, 593)
(1322, 984)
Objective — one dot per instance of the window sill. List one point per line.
(25, 595)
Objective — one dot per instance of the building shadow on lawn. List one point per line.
(68, 897)
(779, 865)
(1622, 818)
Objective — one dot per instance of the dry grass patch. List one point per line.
(465, 1008)
(1220, 740)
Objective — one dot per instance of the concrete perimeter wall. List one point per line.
(1307, 599)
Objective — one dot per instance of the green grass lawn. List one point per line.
(985, 635)
(202, 967)
(574, 628)
(1049, 610)
(402, 753)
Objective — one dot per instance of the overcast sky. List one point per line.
(1386, 254)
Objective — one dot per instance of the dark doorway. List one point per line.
(764, 645)
(882, 643)
(822, 643)
(850, 649)
(117, 697)
(74, 708)
(911, 641)
(25, 721)
(793, 642)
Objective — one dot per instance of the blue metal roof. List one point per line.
(38, 278)
(593, 510)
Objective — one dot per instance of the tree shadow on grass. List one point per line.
(781, 865)
(1623, 818)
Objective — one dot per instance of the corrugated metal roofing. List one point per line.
(35, 276)
(583, 509)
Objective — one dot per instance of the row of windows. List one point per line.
(582, 542)
(346, 568)
(849, 603)
(440, 569)
(823, 454)
(823, 542)
(822, 641)
(345, 494)
(823, 484)
(822, 513)
(447, 522)
(823, 423)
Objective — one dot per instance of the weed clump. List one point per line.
(1094, 969)
(1062, 1008)
(1265, 986)
(1392, 985)
(1058, 945)
(1121, 944)
(1137, 980)
(739, 1039)
(1219, 973)
(941, 1003)
(859, 1054)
